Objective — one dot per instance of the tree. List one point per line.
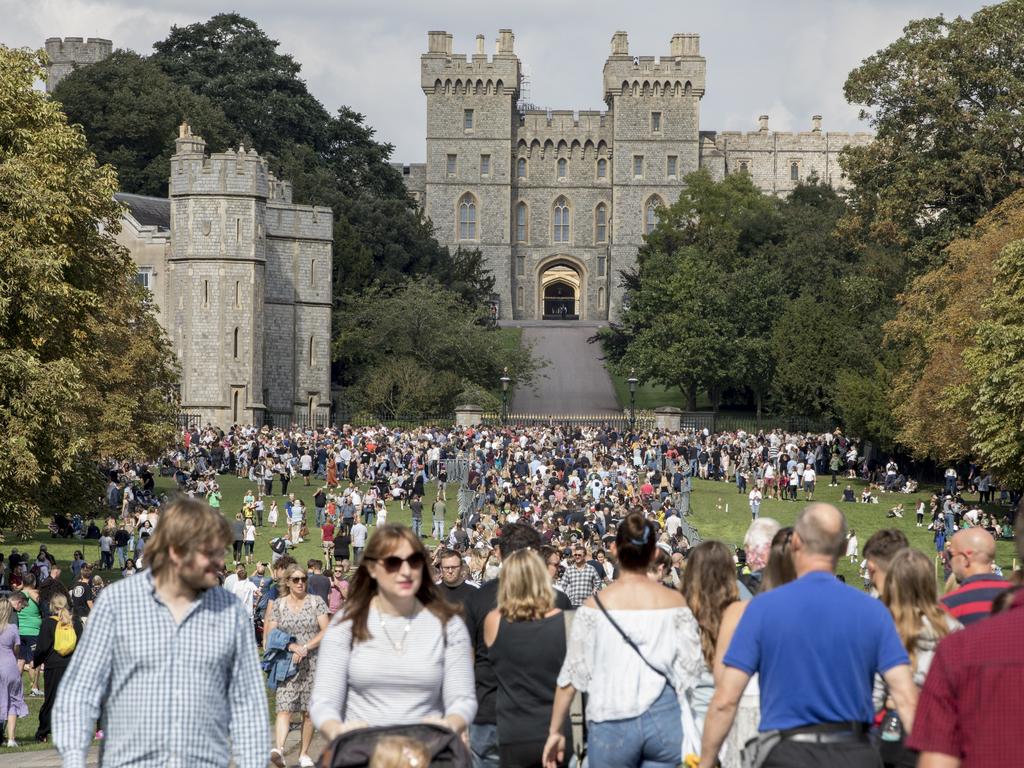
(68, 386)
(944, 101)
(997, 364)
(935, 323)
(131, 110)
(419, 345)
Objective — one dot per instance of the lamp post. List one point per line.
(505, 380)
(632, 381)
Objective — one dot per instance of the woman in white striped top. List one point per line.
(399, 653)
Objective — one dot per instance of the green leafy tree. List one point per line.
(389, 338)
(944, 101)
(131, 110)
(71, 387)
(997, 364)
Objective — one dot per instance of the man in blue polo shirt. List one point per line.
(816, 645)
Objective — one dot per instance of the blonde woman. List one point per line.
(910, 594)
(526, 640)
(304, 617)
(12, 691)
(54, 655)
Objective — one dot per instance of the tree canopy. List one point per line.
(85, 371)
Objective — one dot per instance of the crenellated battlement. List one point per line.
(238, 172)
(67, 53)
(564, 126)
(681, 73)
(444, 72)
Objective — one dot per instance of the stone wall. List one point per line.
(70, 52)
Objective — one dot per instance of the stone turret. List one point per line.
(66, 54)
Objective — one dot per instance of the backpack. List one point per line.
(64, 638)
(355, 749)
(278, 546)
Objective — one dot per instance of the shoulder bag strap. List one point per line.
(576, 714)
(627, 638)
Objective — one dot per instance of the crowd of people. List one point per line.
(570, 569)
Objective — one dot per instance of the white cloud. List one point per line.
(787, 59)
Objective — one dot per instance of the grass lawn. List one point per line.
(718, 511)
(650, 396)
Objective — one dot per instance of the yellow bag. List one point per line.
(64, 639)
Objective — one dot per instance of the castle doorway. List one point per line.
(560, 287)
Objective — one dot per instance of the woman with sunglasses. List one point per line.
(303, 616)
(398, 653)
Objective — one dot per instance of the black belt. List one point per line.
(827, 733)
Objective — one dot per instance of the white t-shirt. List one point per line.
(754, 496)
(245, 591)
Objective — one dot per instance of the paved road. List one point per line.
(574, 380)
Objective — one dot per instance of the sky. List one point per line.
(787, 59)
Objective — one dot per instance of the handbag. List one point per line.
(691, 735)
(355, 749)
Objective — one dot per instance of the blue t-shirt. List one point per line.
(816, 645)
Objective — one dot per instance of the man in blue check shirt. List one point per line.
(168, 646)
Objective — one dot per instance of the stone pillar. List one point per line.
(469, 416)
(668, 418)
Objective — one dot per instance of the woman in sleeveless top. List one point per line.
(526, 640)
(635, 650)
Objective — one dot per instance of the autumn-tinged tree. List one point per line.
(996, 362)
(84, 370)
(936, 322)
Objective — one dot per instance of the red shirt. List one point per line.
(327, 532)
(972, 704)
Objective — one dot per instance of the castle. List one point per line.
(65, 54)
(559, 202)
(241, 281)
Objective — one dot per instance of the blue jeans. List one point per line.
(417, 526)
(438, 530)
(651, 740)
(483, 742)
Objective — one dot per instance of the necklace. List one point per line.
(398, 645)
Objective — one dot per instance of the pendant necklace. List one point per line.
(398, 645)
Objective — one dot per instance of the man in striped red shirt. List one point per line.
(972, 552)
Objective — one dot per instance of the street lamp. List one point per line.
(632, 381)
(505, 380)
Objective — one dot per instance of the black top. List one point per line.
(81, 595)
(458, 595)
(44, 645)
(527, 657)
(319, 585)
(479, 604)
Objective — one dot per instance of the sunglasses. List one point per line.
(392, 563)
(298, 579)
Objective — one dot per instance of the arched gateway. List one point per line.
(562, 294)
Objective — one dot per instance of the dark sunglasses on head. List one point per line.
(392, 563)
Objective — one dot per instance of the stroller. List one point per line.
(441, 747)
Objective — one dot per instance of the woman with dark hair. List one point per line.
(398, 653)
(710, 587)
(635, 649)
(778, 570)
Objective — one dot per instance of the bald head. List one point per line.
(973, 550)
(822, 530)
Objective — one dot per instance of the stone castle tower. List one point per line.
(249, 289)
(67, 53)
(559, 201)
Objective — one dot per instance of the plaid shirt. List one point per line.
(580, 583)
(166, 695)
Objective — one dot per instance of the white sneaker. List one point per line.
(35, 692)
(12, 743)
(305, 761)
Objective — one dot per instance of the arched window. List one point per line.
(601, 224)
(563, 166)
(651, 214)
(234, 345)
(794, 171)
(561, 221)
(521, 168)
(467, 217)
(312, 351)
(238, 294)
(235, 397)
(602, 168)
(519, 297)
(521, 222)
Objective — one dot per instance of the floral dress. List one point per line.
(293, 694)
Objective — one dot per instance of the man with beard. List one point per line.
(160, 642)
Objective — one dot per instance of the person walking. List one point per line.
(972, 552)
(815, 685)
(437, 513)
(304, 617)
(249, 540)
(157, 644)
(30, 620)
(754, 497)
(910, 594)
(12, 691)
(526, 641)
(635, 650)
(359, 534)
(399, 653)
(58, 638)
(580, 579)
